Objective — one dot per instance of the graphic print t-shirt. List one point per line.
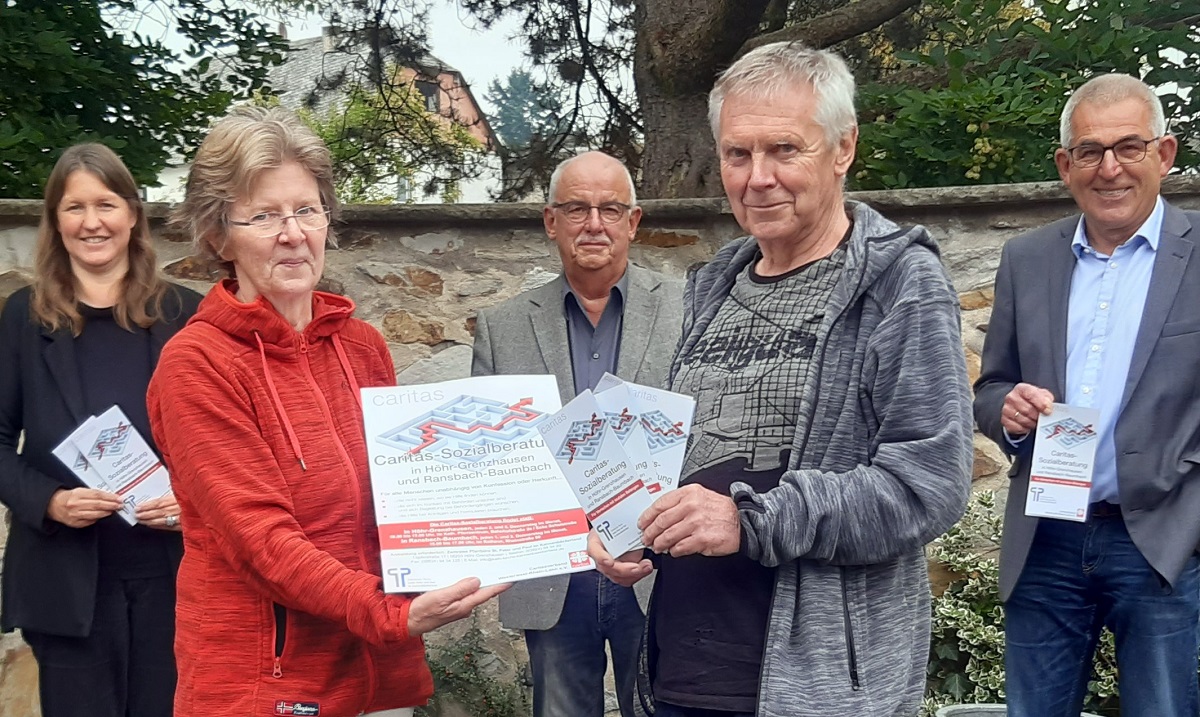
(746, 373)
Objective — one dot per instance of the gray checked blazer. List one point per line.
(528, 335)
(1158, 431)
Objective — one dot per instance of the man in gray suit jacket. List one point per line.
(602, 314)
(1103, 311)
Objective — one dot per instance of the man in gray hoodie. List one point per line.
(832, 437)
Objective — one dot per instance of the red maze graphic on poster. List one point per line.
(624, 418)
(597, 424)
(429, 429)
(676, 429)
(483, 532)
(113, 437)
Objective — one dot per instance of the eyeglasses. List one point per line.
(578, 212)
(271, 224)
(1130, 150)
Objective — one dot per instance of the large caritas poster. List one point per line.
(464, 485)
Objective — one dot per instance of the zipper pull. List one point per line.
(278, 671)
(303, 344)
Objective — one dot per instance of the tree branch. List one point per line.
(775, 16)
(836, 25)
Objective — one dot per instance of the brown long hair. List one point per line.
(54, 284)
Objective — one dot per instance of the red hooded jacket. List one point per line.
(280, 607)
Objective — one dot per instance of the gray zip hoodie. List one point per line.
(880, 465)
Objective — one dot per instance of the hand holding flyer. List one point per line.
(107, 453)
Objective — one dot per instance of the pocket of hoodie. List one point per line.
(848, 629)
(279, 639)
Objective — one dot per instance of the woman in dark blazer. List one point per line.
(93, 596)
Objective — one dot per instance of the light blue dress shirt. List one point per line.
(1108, 294)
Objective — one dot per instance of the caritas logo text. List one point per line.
(579, 558)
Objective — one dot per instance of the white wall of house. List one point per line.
(479, 190)
(171, 185)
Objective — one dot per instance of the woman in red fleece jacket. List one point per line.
(255, 406)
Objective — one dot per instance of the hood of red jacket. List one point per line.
(222, 309)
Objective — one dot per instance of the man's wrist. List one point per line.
(1014, 441)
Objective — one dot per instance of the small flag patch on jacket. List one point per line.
(299, 709)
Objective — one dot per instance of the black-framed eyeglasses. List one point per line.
(578, 212)
(271, 224)
(1130, 150)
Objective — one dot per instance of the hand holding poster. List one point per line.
(464, 485)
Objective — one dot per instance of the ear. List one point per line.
(135, 214)
(635, 218)
(1062, 161)
(844, 154)
(548, 221)
(1168, 146)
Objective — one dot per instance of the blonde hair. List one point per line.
(240, 147)
(54, 283)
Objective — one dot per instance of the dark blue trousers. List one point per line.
(125, 667)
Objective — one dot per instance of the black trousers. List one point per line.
(125, 667)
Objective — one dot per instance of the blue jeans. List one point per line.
(662, 709)
(1078, 578)
(568, 660)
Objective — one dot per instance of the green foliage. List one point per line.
(71, 77)
(460, 679)
(525, 109)
(370, 158)
(952, 91)
(966, 657)
(1003, 78)
(531, 123)
(987, 131)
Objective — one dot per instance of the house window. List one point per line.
(404, 189)
(429, 91)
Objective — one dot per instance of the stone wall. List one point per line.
(420, 274)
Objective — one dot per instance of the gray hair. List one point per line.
(558, 171)
(767, 71)
(1107, 90)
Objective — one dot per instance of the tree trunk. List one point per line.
(680, 158)
(681, 47)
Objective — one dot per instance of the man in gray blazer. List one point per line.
(602, 314)
(1103, 311)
